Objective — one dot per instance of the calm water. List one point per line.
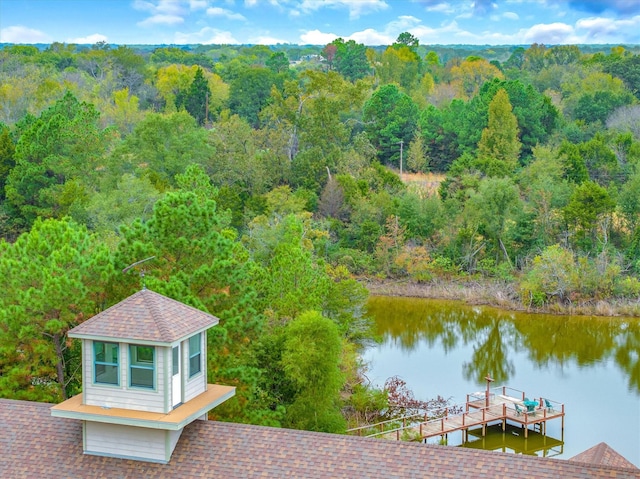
(590, 364)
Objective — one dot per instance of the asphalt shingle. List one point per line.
(146, 316)
(35, 444)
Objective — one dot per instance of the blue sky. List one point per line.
(372, 22)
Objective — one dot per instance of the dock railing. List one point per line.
(388, 426)
(504, 403)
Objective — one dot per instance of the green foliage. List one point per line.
(160, 147)
(499, 141)
(589, 213)
(292, 279)
(52, 279)
(390, 117)
(7, 161)
(556, 275)
(421, 216)
(249, 93)
(351, 59)
(278, 62)
(197, 98)
(65, 143)
(199, 262)
(311, 360)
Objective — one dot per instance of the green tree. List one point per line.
(417, 159)
(249, 93)
(407, 39)
(400, 64)
(499, 145)
(57, 161)
(293, 280)
(196, 100)
(278, 62)
(311, 361)
(160, 147)
(350, 59)
(7, 161)
(588, 213)
(199, 262)
(495, 205)
(52, 278)
(390, 116)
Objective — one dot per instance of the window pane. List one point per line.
(194, 365)
(142, 366)
(105, 363)
(194, 344)
(194, 354)
(142, 377)
(142, 355)
(176, 360)
(106, 374)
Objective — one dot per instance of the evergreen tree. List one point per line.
(52, 279)
(7, 150)
(500, 140)
(197, 98)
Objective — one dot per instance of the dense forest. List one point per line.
(263, 183)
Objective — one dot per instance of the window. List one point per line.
(176, 360)
(142, 366)
(105, 363)
(195, 353)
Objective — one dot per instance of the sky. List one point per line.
(318, 22)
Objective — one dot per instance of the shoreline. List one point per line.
(497, 294)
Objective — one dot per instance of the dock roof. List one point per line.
(145, 316)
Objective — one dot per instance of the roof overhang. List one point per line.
(144, 342)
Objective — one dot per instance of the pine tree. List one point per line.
(197, 97)
(52, 279)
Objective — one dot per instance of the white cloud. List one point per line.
(163, 12)
(198, 4)
(316, 37)
(445, 8)
(89, 39)
(20, 34)
(356, 8)
(266, 40)
(161, 20)
(402, 23)
(206, 36)
(223, 12)
(549, 34)
(371, 37)
(510, 16)
(609, 30)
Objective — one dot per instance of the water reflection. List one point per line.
(512, 440)
(495, 334)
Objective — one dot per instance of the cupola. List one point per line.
(144, 377)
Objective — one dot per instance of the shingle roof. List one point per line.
(146, 316)
(34, 444)
(602, 454)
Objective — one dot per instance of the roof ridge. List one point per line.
(157, 314)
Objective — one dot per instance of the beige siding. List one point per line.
(123, 396)
(126, 441)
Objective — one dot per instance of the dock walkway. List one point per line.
(503, 405)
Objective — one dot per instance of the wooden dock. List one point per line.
(500, 405)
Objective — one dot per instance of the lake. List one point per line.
(591, 364)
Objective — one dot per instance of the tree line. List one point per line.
(266, 187)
